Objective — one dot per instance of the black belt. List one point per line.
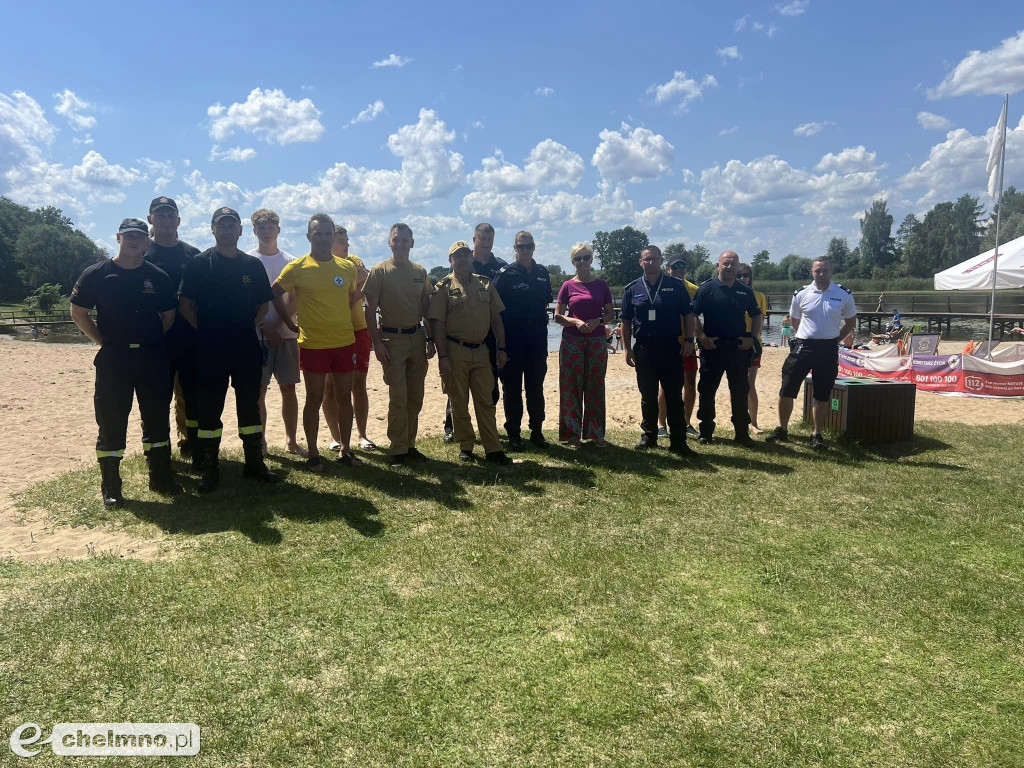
(404, 331)
(468, 344)
(819, 343)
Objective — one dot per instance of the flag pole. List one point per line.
(999, 210)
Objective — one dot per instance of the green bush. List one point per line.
(46, 298)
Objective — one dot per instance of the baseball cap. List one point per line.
(133, 225)
(676, 261)
(221, 213)
(163, 202)
(458, 245)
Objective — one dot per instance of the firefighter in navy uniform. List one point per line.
(172, 255)
(224, 293)
(525, 289)
(135, 304)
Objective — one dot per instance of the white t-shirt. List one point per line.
(822, 313)
(273, 265)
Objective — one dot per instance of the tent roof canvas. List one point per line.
(975, 274)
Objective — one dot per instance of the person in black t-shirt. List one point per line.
(726, 346)
(171, 255)
(134, 304)
(224, 293)
(525, 290)
(485, 264)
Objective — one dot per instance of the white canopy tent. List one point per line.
(975, 274)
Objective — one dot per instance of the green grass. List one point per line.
(768, 607)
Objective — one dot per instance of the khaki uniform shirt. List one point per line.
(465, 309)
(398, 288)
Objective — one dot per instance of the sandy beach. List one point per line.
(46, 417)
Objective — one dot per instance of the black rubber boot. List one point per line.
(209, 447)
(161, 474)
(197, 448)
(255, 468)
(110, 484)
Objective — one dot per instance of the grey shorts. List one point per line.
(283, 363)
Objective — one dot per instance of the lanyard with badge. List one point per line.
(652, 296)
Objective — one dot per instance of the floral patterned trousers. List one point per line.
(582, 363)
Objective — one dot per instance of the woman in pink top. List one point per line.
(584, 306)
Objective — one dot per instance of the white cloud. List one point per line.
(682, 89)
(234, 155)
(428, 172)
(94, 170)
(549, 164)
(269, 114)
(728, 52)
(932, 122)
(957, 165)
(741, 198)
(741, 23)
(87, 140)
(793, 8)
(545, 91)
(850, 160)
(23, 127)
(809, 129)
(160, 172)
(772, 29)
(633, 154)
(993, 72)
(370, 113)
(729, 130)
(74, 109)
(394, 60)
(611, 207)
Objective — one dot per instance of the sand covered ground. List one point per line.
(48, 428)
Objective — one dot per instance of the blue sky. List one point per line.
(739, 125)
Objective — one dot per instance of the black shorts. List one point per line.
(820, 358)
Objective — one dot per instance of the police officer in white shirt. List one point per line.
(822, 313)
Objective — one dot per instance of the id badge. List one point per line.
(650, 315)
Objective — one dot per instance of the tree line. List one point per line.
(41, 252)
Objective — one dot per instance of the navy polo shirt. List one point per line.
(525, 293)
(723, 308)
(671, 302)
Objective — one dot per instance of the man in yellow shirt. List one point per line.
(746, 275)
(360, 398)
(400, 289)
(324, 288)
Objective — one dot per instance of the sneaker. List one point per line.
(499, 457)
(516, 443)
(465, 455)
(315, 464)
(691, 431)
(538, 439)
(662, 431)
(817, 441)
(777, 435)
(348, 458)
(705, 439)
(397, 460)
(449, 437)
(414, 455)
(646, 441)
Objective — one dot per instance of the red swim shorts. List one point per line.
(333, 360)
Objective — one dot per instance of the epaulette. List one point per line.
(844, 288)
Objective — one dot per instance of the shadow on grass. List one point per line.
(855, 453)
(249, 508)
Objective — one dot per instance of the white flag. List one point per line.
(995, 151)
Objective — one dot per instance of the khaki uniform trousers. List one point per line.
(405, 376)
(471, 373)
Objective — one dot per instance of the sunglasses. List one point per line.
(525, 246)
(581, 259)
